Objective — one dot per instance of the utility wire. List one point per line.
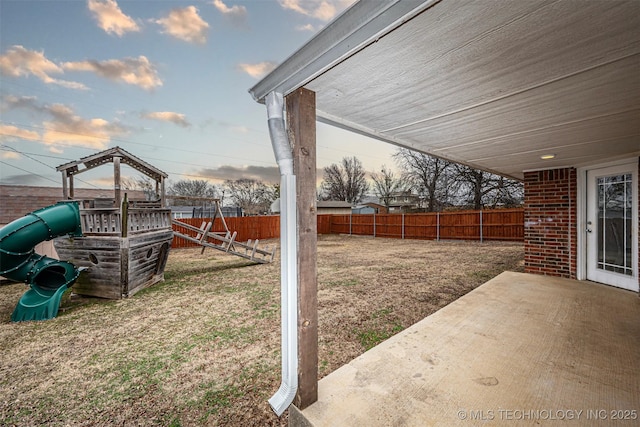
(37, 154)
(78, 179)
(4, 147)
(108, 139)
(42, 163)
(29, 172)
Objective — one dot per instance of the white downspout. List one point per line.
(281, 400)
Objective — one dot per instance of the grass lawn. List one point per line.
(203, 347)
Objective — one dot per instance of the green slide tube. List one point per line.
(47, 277)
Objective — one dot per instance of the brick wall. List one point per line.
(550, 222)
(18, 200)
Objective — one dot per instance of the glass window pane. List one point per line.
(614, 223)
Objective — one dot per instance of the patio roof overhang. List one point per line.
(482, 83)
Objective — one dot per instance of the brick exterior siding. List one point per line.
(18, 200)
(550, 222)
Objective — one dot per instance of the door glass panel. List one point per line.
(614, 224)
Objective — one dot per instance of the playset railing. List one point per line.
(109, 222)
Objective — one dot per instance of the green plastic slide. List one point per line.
(38, 304)
(47, 277)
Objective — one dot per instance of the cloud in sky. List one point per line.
(63, 127)
(9, 155)
(267, 174)
(10, 133)
(232, 126)
(134, 71)
(56, 150)
(67, 128)
(10, 102)
(110, 18)
(167, 116)
(121, 85)
(307, 27)
(21, 62)
(23, 179)
(185, 24)
(257, 70)
(323, 10)
(237, 14)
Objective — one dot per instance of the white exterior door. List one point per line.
(612, 225)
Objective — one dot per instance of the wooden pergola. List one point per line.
(117, 156)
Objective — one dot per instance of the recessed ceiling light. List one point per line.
(548, 156)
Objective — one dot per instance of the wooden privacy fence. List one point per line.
(499, 224)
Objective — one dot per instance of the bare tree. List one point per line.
(480, 188)
(507, 193)
(254, 197)
(345, 181)
(385, 184)
(193, 188)
(143, 183)
(431, 177)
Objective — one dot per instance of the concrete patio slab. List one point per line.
(519, 350)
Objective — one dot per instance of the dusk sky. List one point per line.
(165, 80)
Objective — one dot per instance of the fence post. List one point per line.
(481, 225)
(438, 226)
(350, 221)
(374, 225)
(403, 225)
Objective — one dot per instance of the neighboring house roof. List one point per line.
(369, 209)
(182, 208)
(370, 199)
(404, 196)
(18, 200)
(333, 204)
(372, 205)
(479, 83)
(190, 208)
(321, 204)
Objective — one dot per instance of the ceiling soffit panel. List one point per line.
(602, 92)
(460, 54)
(474, 72)
(512, 164)
(571, 136)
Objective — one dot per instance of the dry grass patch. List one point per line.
(203, 347)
